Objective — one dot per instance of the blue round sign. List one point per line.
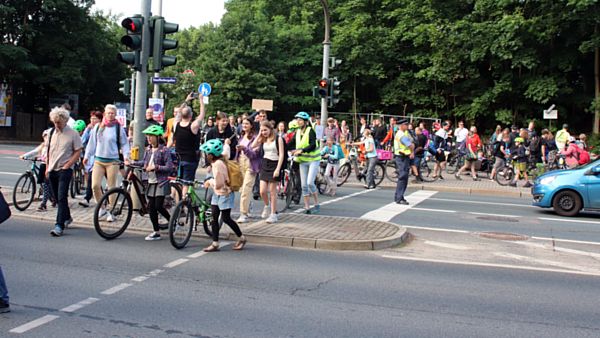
(204, 89)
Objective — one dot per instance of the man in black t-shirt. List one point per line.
(222, 132)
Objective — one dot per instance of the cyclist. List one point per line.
(500, 142)
(571, 153)
(562, 137)
(223, 198)
(371, 157)
(519, 156)
(331, 152)
(41, 152)
(79, 127)
(308, 156)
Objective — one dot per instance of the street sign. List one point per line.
(204, 89)
(551, 114)
(166, 80)
(159, 109)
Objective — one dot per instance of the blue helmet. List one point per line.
(303, 115)
(213, 147)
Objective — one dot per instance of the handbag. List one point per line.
(4, 209)
(384, 155)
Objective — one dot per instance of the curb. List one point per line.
(295, 242)
(444, 188)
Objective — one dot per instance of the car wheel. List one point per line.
(567, 203)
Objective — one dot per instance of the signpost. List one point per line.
(551, 114)
(204, 89)
(166, 80)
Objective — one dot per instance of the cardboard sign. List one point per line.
(262, 105)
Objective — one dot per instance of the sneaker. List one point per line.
(4, 306)
(256, 197)
(153, 237)
(41, 208)
(441, 177)
(476, 179)
(402, 202)
(57, 231)
(242, 219)
(84, 203)
(102, 213)
(265, 212)
(272, 219)
(110, 217)
(527, 185)
(307, 211)
(316, 209)
(457, 177)
(513, 184)
(68, 222)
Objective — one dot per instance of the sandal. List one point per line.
(240, 244)
(211, 248)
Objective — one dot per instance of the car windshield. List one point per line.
(591, 164)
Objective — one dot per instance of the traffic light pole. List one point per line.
(326, 52)
(141, 83)
(156, 93)
(132, 94)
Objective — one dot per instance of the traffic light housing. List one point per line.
(323, 88)
(334, 91)
(125, 87)
(133, 41)
(159, 28)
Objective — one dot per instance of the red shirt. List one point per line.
(475, 143)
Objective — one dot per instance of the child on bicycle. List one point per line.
(157, 166)
(222, 199)
(520, 157)
(41, 152)
(331, 152)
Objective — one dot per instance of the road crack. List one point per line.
(315, 288)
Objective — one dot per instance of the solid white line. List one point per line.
(447, 245)
(565, 240)
(80, 305)
(545, 262)
(438, 229)
(389, 211)
(435, 210)
(197, 254)
(480, 202)
(567, 220)
(340, 198)
(9, 173)
(490, 265)
(140, 279)
(176, 263)
(116, 289)
(34, 323)
(488, 214)
(560, 249)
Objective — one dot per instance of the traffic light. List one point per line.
(125, 87)
(159, 28)
(334, 91)
(323, 87)
(133, 41)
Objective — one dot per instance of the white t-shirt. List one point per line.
(461, 134)
(442, 133)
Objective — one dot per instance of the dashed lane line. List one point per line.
(80, 305)
(567, 220)
(10, 174)
(116, 289)
(488, 214)
(447, 245)
(176, 263)
(435, 210)
(481, 202)
(34, 323)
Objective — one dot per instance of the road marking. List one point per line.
(447, 245)
(438, 229)
(435, 210)
(480, 202)
(488, 214)
(197, 254)
(545, 262)
(567, 220)
(140, 279)
(34, 323)
(389, 211)
(155, 273)
(491, 265)
(80, 305)
(11, 174)
(176, 263)
(116, 289)
(559, 249)
(341, 198)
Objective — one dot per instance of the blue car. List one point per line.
(569, 191)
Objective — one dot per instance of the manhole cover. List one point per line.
(498, 219)
(504, 236)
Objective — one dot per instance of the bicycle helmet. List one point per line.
(213, 147)
(519, 139)
(154, 130)
(79, 126)
(293, 125)
(303, 115)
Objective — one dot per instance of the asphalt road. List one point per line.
(272, 292)
(10, 165)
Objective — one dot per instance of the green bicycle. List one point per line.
(189, 212)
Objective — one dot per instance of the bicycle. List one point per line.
(506, 174)
(118, 204)
(26, 186)
(289, 185)
(78, 182)
(425, 169)
(188, 213)
(352, 162)
(456, 160)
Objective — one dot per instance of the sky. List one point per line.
(184, 12)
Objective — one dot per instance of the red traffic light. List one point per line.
(323, 83)
(133, 24)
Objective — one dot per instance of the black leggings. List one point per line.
(156, 205)
(226, 219)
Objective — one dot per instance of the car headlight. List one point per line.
(547, 180)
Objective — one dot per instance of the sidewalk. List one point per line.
(292, 230)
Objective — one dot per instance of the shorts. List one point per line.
(499, 163)
(158, 190)
(521, 166)
(440, 157)
(223, 202)
(267, 170)
(187, 170)
(416, 161)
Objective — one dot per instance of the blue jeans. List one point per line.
(3, 289)
(187, 170)
(403, 167)
(308, 174)
(59, 180)
(372, 161)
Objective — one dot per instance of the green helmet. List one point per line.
(293, 125)
(154, 130)
(79, 126)
(519, 139)
(213, 147)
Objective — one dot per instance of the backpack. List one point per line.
(584, 157)
(236, 179)
(285, 150)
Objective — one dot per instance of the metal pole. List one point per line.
(326, 52)
(141, 87)
(132, 96)
(156, 93)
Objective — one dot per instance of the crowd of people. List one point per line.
(261, 148)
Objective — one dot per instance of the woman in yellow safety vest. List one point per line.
(308, 156)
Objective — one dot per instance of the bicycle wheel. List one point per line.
(391, 172)
(321, 183)
(379, 173)
(181, 224)
(72, 187)
(113, 213)
(80, 186)
(24, 191)
(206, 217)
(505, 175)
(344, 174)
(452, 165)
(426, 169)
(289, 191)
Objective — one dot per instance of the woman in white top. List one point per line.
(271, 166)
